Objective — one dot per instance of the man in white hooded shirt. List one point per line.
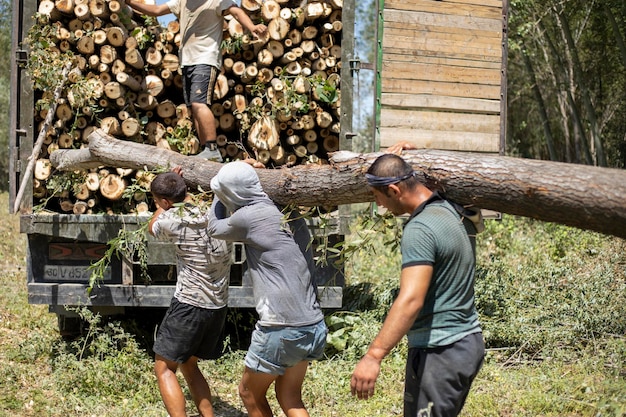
(291, 329)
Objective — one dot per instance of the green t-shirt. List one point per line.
(437, 235)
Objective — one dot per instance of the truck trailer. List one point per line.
(432, 72)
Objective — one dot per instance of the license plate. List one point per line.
(71, 273)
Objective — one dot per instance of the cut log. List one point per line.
(170, 62)
(99, 37)
(99, 8)
(43, 169)
(80, 207)
(65, 6)
(221, 87)
(270, 10)
(117, 67)
(86, 45)
(251, 5)
(263, 134)
(278, 28)
(166, 109)
(227, 122)
(92, 181)
(65, 141)
(173, 27)
(116, 36)
(48, 8)
(111, 125)
(66, 205)
(127, 80)
(581, 196)
(112, 187)
(134, 59)
(108, 54)
(131, 127)
(154, 57)
(146, 101)
(154, 85)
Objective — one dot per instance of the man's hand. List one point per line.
(364, 377)
(254, 163)
(259, 30)
(397, 148)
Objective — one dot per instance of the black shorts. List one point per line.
(188, 331)
(439, 379)
(199, 83)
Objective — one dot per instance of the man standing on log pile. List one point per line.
(435, 306)
(201, 27)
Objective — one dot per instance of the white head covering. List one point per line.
(237, 184)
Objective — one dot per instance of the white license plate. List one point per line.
(70, 273)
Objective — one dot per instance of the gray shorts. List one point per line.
(188, 331)
(199, 83)
(439, 379)
(274, 349)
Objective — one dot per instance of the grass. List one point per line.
(552, 303)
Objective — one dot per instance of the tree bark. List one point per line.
(581, 196)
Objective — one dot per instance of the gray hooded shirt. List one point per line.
(276, 251)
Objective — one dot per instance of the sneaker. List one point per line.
(211, 152)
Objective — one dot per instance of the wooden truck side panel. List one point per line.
(442, 74)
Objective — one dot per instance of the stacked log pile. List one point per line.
(277, 99)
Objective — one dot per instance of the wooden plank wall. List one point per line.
(441, 74)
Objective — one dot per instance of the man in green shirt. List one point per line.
(435, 306)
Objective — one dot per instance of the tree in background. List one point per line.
(5, 83)
(567, 80)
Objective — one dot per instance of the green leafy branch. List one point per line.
(370, 227)
(44, 61)
(130, 244)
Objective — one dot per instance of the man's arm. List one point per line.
(156, 214)
(221, 225)
(243, 18)
(149, 9)
(414, 283)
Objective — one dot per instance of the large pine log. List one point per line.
(576, 195)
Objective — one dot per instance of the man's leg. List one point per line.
(198, 85)
(204, 122)
(171, 393)
(439, 379)
(253, 390)
(198, 386)
(289, 390)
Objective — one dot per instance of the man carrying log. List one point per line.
(201, 27)
(193, 323)
(435, 306)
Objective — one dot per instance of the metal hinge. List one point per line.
(17, 162)
(356, 65)
(21, 56)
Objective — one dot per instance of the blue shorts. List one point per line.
(188, 331)
(199, 83)
(274, 349)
